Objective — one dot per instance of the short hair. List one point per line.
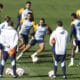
(59, 23)
(74, 15)
(7, 18)
(1, 5)
(28, 2)
(43, 19)
(30, 13)
(10, 23)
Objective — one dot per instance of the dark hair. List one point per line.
(28, 2)
(30, 13)
(74, 15)
(7, 18)
(1, 5)
(59, 23)
(10, 23)
(43, 19)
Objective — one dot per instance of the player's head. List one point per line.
(28, 5)
(73, 16)
(1, 7)
(42, 22)
(59, 23)
(29, 16)
(7, 18)
(78, 13)
(10, 23)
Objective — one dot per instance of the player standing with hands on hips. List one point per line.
(58, 41)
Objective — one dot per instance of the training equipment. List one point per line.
(51, 74)
(20, 71)
(8, 71)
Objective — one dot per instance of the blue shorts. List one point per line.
(24, 37)
(1, 47)
(34, 41)
(58, 58)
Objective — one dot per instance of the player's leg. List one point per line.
(34, 55)
(55, 64)
(32, 42)
(41, 48)
(72, 54)
(22, 43)
(4, 58)
(63, 65)
(13, 63)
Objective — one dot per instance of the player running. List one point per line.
(38, 38)
(25, 31)
(58, 41)
(9, 41)
(23, 12)
(75, 33)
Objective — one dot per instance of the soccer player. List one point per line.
(23, 12)
(25, 29)
(58, 41)
(38, 38)
(75, 33)
(9, 41)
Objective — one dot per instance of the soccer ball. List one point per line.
(51, 73)
(78, 13)
(20, 71)
(35, 59)
(8, 71)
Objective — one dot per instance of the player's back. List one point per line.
(61, 37)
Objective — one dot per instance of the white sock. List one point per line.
(72, 60)
(35, 54)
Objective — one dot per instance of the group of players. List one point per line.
(9, 38)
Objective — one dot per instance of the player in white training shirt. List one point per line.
(58, 42)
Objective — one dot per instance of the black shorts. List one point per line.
(78, 44)
(25, 38)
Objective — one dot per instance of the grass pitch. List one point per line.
(51, 10)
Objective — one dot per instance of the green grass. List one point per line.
(51, 10)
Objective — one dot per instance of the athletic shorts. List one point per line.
(58, 58)
(24, 37)
(34, 41)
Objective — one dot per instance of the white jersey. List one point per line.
(40, 33)
(76, 24)
(25, 12)
(26, 26)
(61, 37)
(3, 25)
(8, 38)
